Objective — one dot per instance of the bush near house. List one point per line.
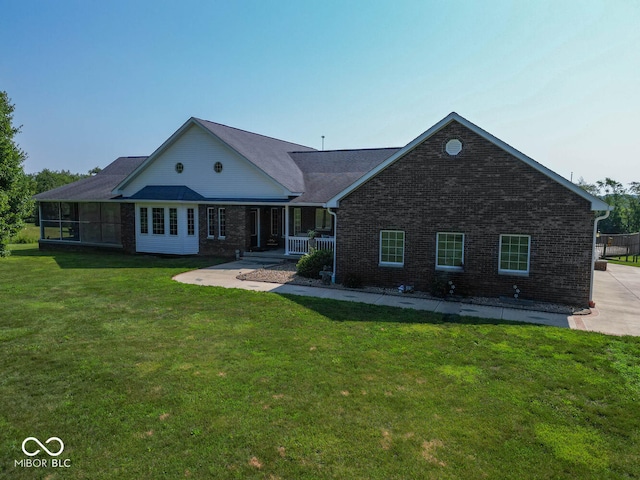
(311, 264)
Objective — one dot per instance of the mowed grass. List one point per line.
(146, 378)
(625, 260)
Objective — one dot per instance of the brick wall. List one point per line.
(128, 227)
(482, 192)
(237, 231)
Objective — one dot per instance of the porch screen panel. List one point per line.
(90, 229)
(50, 220)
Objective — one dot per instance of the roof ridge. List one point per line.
(348, 150)
(252, 133)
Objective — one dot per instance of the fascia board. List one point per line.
(285, 189)
(335, 201)
(167, 143)
(596, 203)
(171, 140)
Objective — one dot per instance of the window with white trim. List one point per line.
(191, 222)
(157, 220)
(144, 220)
(515, 254)
(323, 220)
(449, 251)
(392, 247)
(173, 221)
(222, 223)
(297, 221)
(211, 222)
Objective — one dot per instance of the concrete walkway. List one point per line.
(617, 296)
(606, 318)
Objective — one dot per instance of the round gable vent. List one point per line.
(453, 147)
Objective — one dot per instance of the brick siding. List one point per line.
(237, 231)
(482, 192)
(128, 227)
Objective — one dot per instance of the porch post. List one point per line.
(286, 229)
(335, 244)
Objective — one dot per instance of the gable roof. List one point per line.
(268, 154)
(326, 173)
(596, 203)
(96, 187)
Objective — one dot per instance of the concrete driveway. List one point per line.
(616, 292)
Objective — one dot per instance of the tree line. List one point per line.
(625, 218)
(16, 187)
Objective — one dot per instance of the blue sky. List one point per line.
(558, 80)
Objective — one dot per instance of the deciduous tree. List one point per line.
(15, 188)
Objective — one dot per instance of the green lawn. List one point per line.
(146, 378)
(624, 260)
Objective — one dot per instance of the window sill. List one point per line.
(392, 265)
(444, 268)
(513, 273)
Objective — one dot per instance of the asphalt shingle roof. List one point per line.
(96, 187)
(316, 175)
(326, 173)
(269, 154)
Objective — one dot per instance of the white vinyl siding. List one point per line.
(198, 151)
(515, 254)
(392, 248)
(449, 251)
(168, 229)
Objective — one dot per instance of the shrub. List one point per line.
(352, 280)
(311, 264)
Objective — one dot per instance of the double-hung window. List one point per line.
(323, 220)
(144, 220)
(173, 221)
(157, 220)
(222, 223)
(211, 222)
(297, 221)
(392, 248)
(515, 254)
(449, 251)
(191, 221)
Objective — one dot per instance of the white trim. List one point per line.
(222, 212)
(209, 226)
(297, 221)
(391, 264)
(451, 268)
(171, 140)
(521, 273)
(596, 203)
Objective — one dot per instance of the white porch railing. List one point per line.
(300, 245)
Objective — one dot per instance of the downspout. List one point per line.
(593, 255)
(335, 243)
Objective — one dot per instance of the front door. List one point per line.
(254, 221)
